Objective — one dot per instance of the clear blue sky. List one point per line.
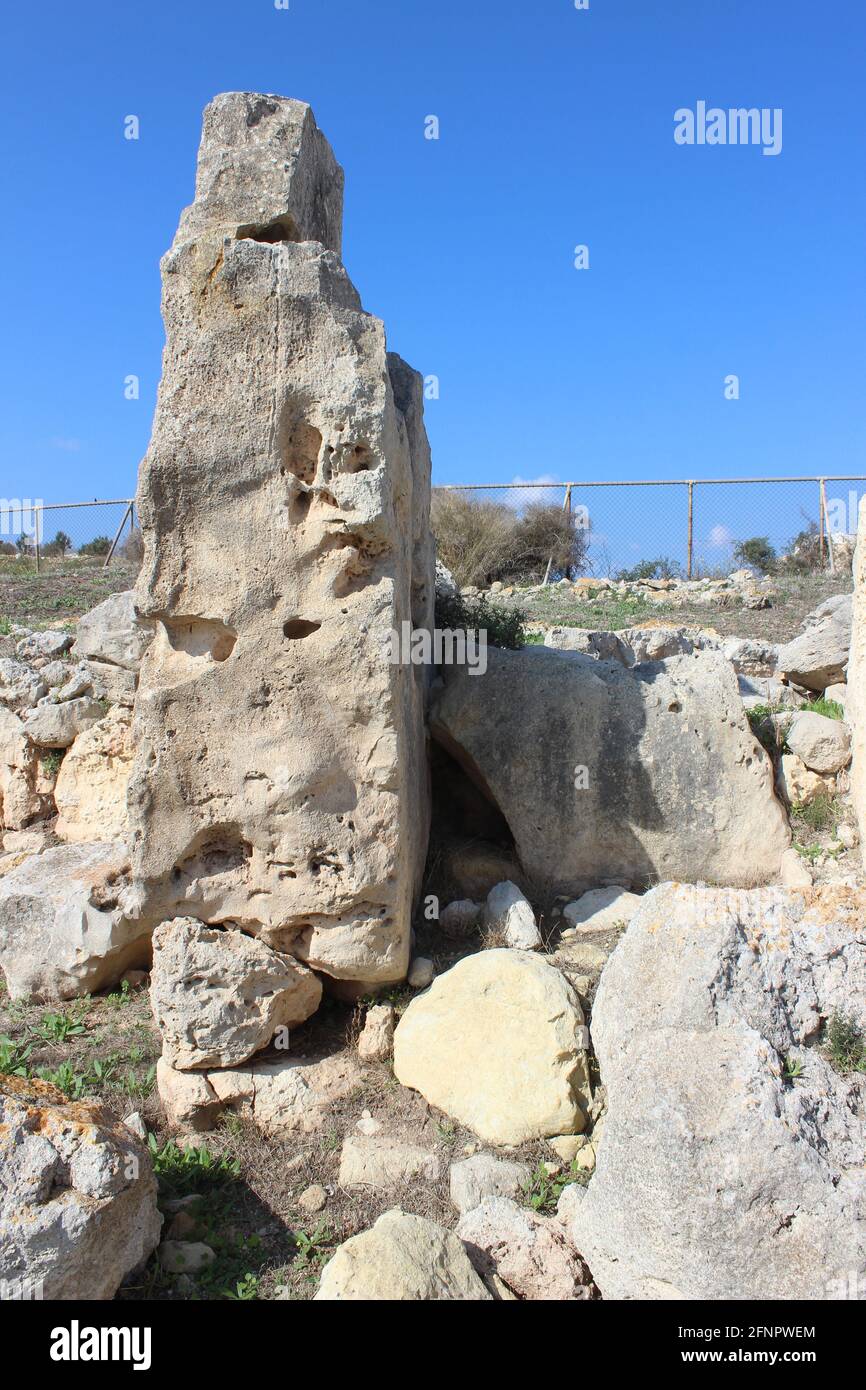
(556, 129)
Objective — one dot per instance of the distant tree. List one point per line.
(61, 545)
(23, 544)
(100, 545)
(756, 552)
(660, 568)
(7, 548)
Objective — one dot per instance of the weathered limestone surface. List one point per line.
(62, 932)
(218, 997)
(280, 781)
(675, 784)
(731, 1162)
(77, 1195)
(855, 705)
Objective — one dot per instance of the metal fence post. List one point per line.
(37, 510)
(690, 551)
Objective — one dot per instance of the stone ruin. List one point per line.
(280, 785)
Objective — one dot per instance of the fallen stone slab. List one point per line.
(377, 1161)
(654, 771)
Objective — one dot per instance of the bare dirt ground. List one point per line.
(239, 1193)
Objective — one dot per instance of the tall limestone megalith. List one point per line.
(280, 783)
(855, 705)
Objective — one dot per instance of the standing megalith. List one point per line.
(280, 781)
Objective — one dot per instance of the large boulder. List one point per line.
(731, 1161)
(280, 779)
(817, 657)
(499, 1043)
(112, 633)
(90, 792)
(218, 997)
(77, 1196)
(62, 933)
(402, 1258)
(604, 772)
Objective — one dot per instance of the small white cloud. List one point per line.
(720, 538)
(542, 478)
(69, 446)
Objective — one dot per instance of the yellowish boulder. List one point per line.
(499, 1043)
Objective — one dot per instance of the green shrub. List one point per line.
(100, 545)
(845, 1044)
(504, 626)
(830, 709)
(757, 552)
(660, 568)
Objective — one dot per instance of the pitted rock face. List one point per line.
(280, 781)
(265, 171)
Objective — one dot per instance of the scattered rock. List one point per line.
(473, 1179)
(818, 656)
(52, 725)
(568, 1146)
(185, 1256)
(823, 744)
(402, 1258)
(77, 1195)
(508, 916)
(421, 973)
(313, 1199)
(793, 872)
(289, 1096)
(383, 1162)
(377, 1036)
(62, 934)
(796, 784)
(43, 644)
(90, 792)
(112, 633)
(22, 797)
(218, 996)
(459, 919)
(529, 1253)
(20, 686)
(602, 909)
(498, 1043)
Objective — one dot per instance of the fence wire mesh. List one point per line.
(693, 529)
(47, 536)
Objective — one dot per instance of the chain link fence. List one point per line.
(653, 528)
(41, 537)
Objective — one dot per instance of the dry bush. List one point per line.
(483, 541)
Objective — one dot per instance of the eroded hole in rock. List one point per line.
(280, 229)
(297, 628)
(207, 638)
(357, 460)
(298, 446)
(217, 851)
